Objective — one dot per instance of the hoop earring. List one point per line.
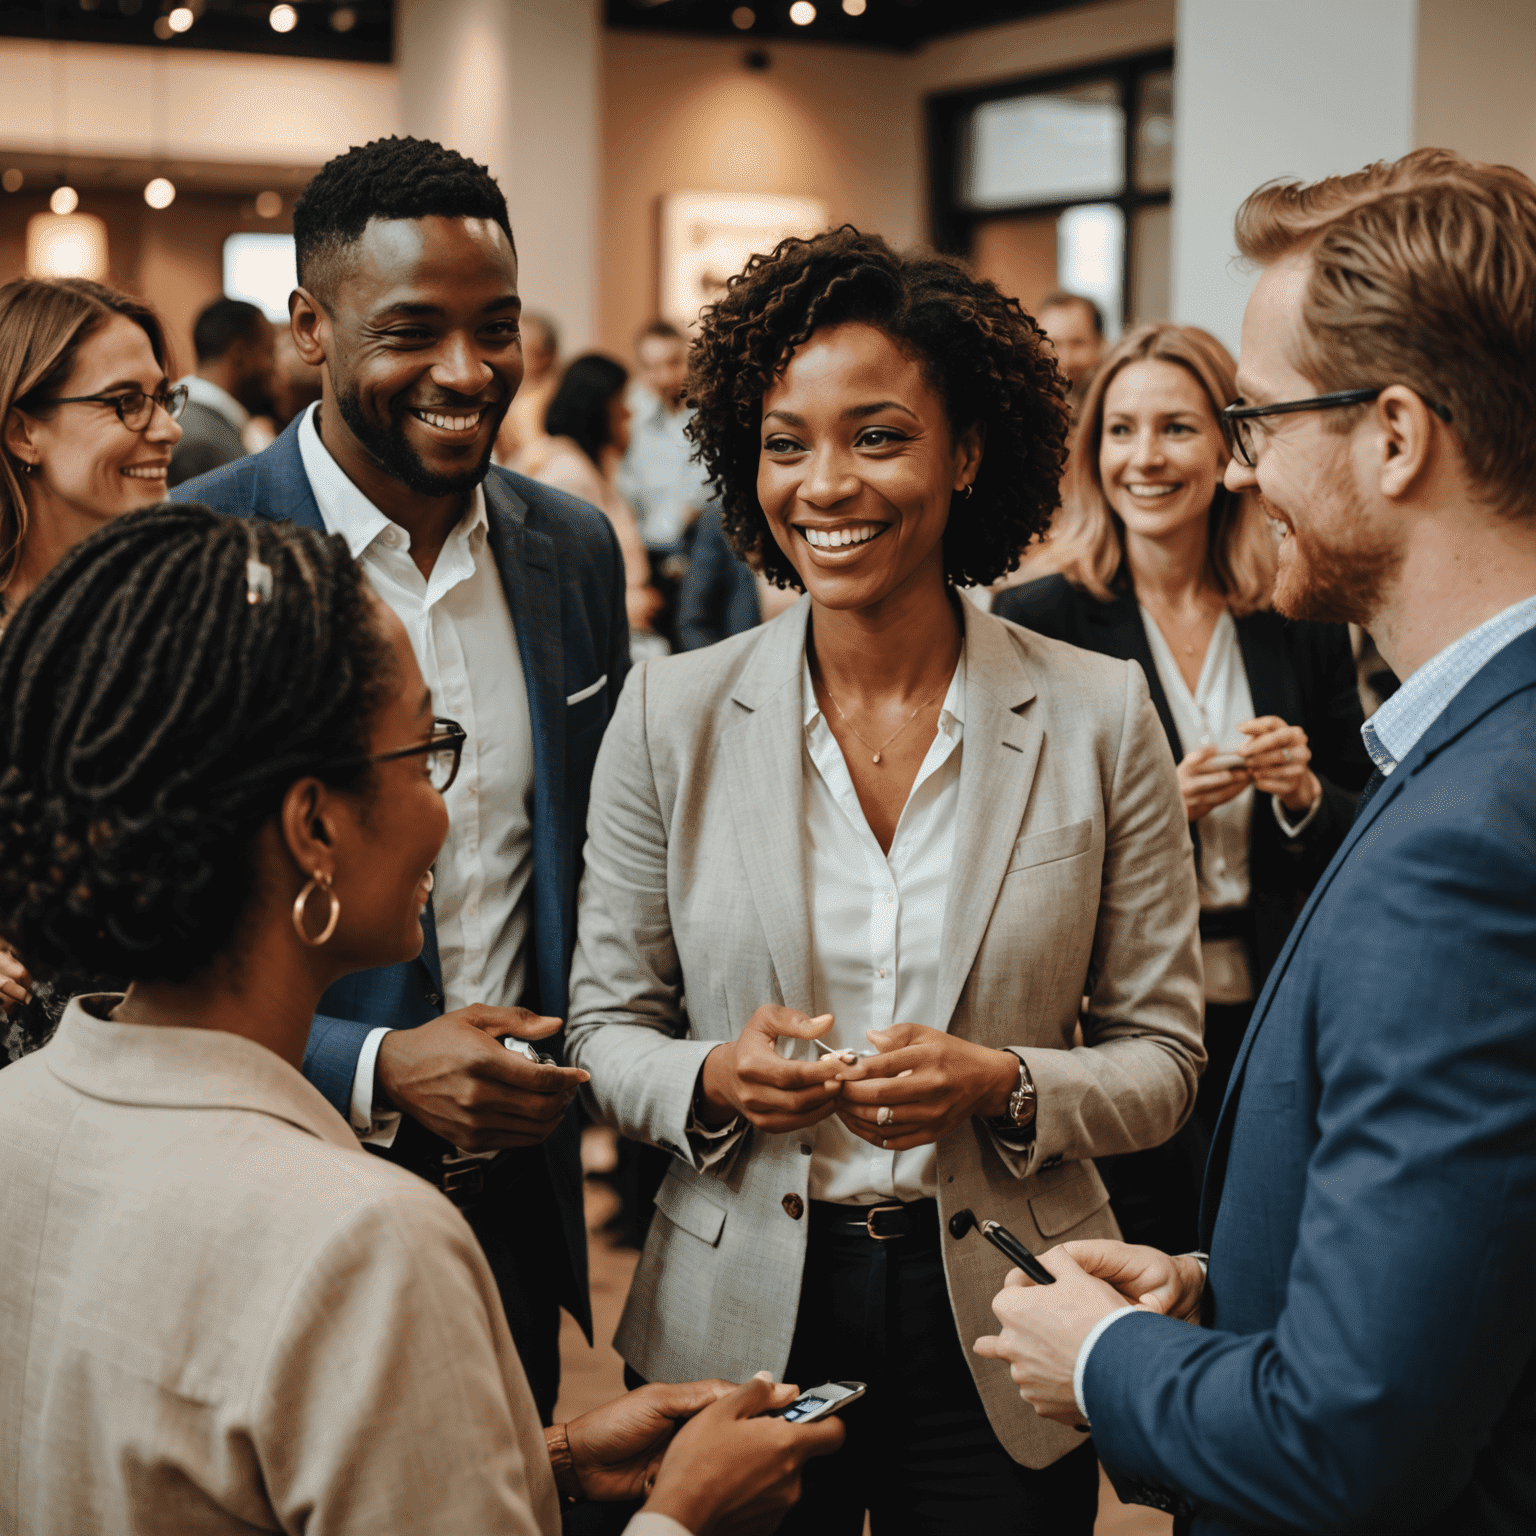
(967, 491)
(301, 901)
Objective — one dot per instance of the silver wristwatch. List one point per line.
(1022, 1103)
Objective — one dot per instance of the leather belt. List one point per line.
(462, 1178)
(1227, 923)
(890, 1221)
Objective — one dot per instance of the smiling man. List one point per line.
(1369, 1356)
(513, 596)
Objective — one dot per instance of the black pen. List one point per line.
(1011, 1248)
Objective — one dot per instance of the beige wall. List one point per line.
(841, 124)
(1476, 80)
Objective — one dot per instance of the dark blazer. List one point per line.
(717, 596)
(1305, 673)
(564, 579)
(1370, 1202)
(208, 442)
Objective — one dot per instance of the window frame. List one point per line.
(953, 224)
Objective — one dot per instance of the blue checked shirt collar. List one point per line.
(1394, 730)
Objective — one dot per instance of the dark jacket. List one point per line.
(563, 576)
(1369, 1362)
(1305, 673)
(208, 442)
(717, 597)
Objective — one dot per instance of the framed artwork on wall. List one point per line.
(706, 237)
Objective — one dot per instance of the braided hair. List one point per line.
(152, 719)
(986, 358)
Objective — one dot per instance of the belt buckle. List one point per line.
(869, 1223)
(463, 1179)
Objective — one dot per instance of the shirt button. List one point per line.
(794, 1207)
(882, 973)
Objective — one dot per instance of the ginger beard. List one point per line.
(1332, 570)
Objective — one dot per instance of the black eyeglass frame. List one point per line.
(1237, 412)
(447, 736)
(172, 401)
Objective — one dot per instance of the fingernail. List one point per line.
(762, 1376)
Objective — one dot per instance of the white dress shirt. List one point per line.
(461, 631)
(1210, 716)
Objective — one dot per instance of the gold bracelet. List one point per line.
(562, 1464)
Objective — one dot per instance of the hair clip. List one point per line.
(258, 582)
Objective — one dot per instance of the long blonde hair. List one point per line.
(1087, 539)
(42, 323)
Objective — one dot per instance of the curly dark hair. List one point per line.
(152, 718)
(985, 357)
(388, 179)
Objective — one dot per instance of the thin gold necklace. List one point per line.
(894, 734)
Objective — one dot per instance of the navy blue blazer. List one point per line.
(564, 579)
(1370, 1201)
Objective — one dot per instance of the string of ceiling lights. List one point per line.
(802, 13)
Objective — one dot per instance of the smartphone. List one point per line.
(523, 1048)
(1225, 760)
(829, 1397)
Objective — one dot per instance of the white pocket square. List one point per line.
(588, 691)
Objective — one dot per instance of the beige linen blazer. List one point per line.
(1073, 874)
(218, 1314)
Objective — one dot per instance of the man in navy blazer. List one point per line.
(513, 595)
(1368, 1355)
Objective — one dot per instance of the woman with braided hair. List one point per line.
(849, 877)
(88, 420)
(220, 778)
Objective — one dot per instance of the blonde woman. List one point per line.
(1152, 559)
(88, 416)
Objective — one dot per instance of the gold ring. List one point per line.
(885, 1115)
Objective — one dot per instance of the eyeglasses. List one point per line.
(443, 751)
(1237, 420)
(134, 408)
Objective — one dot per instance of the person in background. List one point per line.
(513, 595)
(886, 823)
(586, 430)
(720, 594)
(233, 383)
(658, 476)
(1075, 326)
(1156, 561)
(1367, 1360)
(524, 423)
(233, 1318)
(90, 422)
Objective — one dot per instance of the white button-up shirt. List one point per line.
(461, 631)
(876, 922)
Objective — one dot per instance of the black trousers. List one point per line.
(1225, 1026)
(920, 1454)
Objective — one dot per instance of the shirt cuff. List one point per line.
(655, 1525)
(1080, 1369)
(1295, 828)
(377, 1130)
(711, 1143)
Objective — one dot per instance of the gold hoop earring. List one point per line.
(967, 491)
(301, 901)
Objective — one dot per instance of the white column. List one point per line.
(514, 84)
(1307, 88)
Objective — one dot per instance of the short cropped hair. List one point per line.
(664, 329)
(988, 361)
(1087, 541)
(1061, 299)
(221, 325)
(1423, 272)
(388, 179)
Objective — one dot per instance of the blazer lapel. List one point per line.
(999, 752)
(1263, 652)
(1122, 634)
(280, 491)
(763, 770)
(1511, 670)
(530, 578)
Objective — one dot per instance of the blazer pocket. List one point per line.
(587, 692)
(1064, 1205)
(1046, 847)
(691, 1210)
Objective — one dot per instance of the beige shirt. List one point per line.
(220, 1314)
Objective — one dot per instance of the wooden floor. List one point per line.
(593, 1376)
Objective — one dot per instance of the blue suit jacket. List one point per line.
(1370, 1203)
(564, 579)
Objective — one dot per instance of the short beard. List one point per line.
(1339, 581)
(390, 447)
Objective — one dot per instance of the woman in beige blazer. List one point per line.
(220, 777)
(885, 823)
